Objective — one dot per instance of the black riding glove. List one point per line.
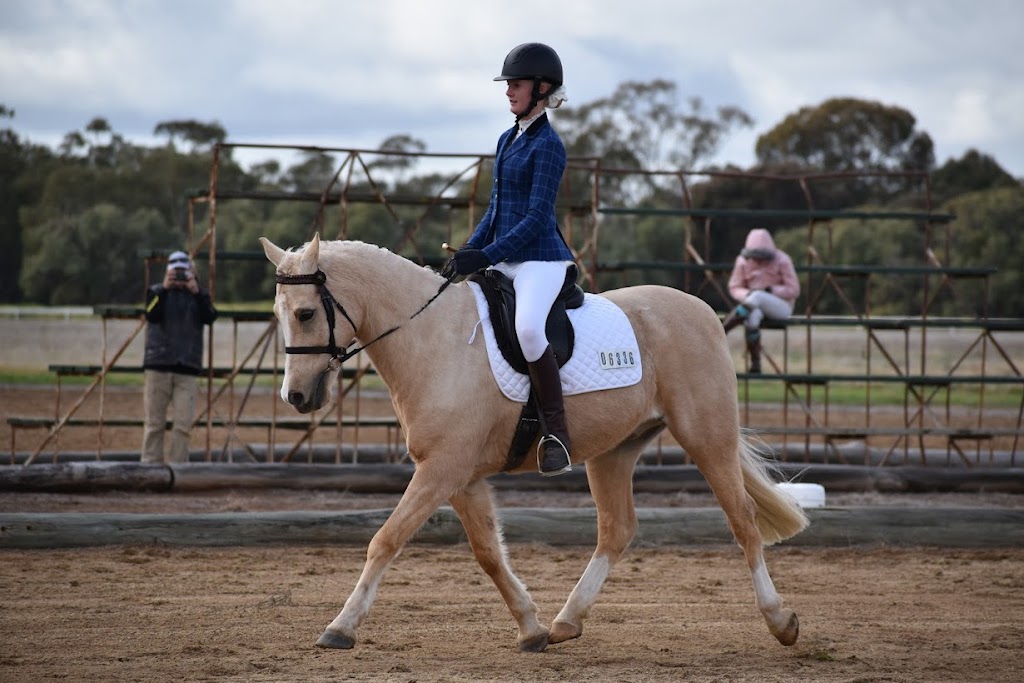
(448, 269)
(469, 261)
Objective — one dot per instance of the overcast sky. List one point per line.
(352, 73)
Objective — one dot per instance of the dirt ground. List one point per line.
(155, 613)
(253, 614)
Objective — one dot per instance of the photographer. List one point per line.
(176, 310)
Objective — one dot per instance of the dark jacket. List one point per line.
(520, 223)
(174, 335)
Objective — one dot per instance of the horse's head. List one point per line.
(305, 311)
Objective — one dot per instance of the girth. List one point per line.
(500, 294)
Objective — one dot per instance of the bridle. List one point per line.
(338, 354)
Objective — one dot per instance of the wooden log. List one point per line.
(930, 479)
(77, 477)
(63, 530)
(851, 453)
(321, 454)
(578, 526)
(96, 476)
(950, 527)
(352, 478)
(944, 527)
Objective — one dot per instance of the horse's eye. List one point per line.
(304, 314)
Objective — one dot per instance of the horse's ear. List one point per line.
(310, 262)
(273, 252)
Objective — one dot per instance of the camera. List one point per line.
(181, 275)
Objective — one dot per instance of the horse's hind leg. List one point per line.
(722, 468)
(475, 508)
(611, 483)
(426, 491)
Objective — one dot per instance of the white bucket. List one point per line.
(808, 495)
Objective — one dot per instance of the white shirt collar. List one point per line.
(525, 123)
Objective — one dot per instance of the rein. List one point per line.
(340, 354)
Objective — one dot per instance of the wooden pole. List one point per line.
(78, 404)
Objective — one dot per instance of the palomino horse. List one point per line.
(459, 426)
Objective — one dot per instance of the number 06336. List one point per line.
(615, 359)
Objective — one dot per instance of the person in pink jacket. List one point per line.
(764, 283)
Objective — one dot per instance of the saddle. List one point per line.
(500, 294)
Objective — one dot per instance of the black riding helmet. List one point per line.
(532, 61)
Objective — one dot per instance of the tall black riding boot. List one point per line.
(754, 349)
(735, 317)
(553, 450)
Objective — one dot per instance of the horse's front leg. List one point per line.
(475, 508)
(610, 476)
(426, 491)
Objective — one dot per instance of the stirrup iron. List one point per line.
(542, 452)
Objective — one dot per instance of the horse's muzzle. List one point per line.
(307, 404)
(298, 401)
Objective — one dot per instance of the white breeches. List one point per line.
(537, 284)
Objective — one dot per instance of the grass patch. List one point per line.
(43, 377)
(267, 306)
(888, 393)
(822, 656)
(757, 391)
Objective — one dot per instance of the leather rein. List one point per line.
(338, 354)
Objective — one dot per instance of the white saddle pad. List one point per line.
(605, 356)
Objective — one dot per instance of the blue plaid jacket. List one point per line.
(520, 224)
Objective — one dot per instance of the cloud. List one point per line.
(354, 73)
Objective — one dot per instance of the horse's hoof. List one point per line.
(791, 632)
(335, 640)
(562, 631)
(535, 644)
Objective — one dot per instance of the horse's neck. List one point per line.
(374, 280)
(390, 290)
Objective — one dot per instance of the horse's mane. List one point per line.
(354, 246)
(362, 252)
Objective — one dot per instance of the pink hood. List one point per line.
(759, 239)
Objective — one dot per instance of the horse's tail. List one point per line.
(779, 516)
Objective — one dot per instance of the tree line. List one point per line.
(75, 220)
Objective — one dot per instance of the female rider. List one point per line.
(519, 236)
